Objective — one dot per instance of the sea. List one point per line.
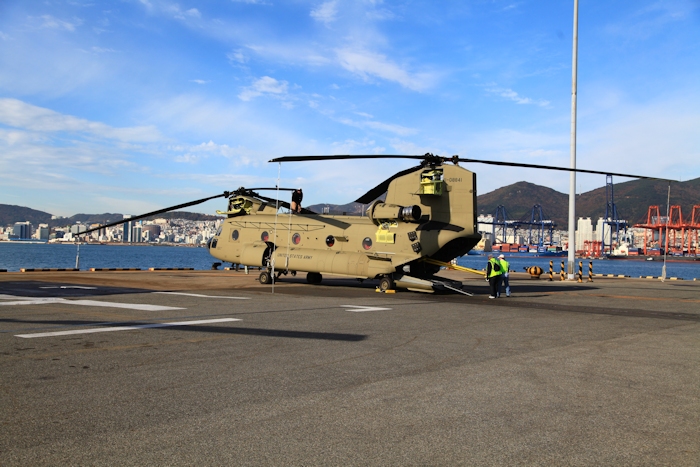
(15, 256)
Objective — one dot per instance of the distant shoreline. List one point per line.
(38, 242)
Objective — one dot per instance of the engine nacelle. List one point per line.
(379, 212)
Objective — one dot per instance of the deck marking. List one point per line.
(361, 309)
(14, 297)
(125, 328)
(205, 296)
(63, 301)
(68, 287)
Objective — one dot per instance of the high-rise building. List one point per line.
(126, 237)
(584, 231)
(22, 230)
(136, 233)
(43, 232)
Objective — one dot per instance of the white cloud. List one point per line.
(199, 81)
(326, 12)
(264, 85)
(237, 56)
(375, 125)
(50, 22)
(515, 97)
(365, 64)
(18, 114)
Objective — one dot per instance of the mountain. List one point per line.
(519, 199)
(9, 214)
(632, 199)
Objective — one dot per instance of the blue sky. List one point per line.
(129, 106)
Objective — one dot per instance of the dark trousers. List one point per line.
(495, 284)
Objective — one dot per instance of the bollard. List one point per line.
(580, 271)
(562, 274)
(551, 270)
(590, 271)
(534, 271)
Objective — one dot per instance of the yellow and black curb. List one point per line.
(115, 269)
(48, 269)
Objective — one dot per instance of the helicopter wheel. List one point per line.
(386, 283)
(265, 278)
(314, 278)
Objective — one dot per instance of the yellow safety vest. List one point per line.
(494, 273)
(504, 266)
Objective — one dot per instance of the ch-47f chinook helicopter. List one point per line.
(427, 217)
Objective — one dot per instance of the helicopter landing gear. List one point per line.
(265, 278)
(386, 283)
(314, 278)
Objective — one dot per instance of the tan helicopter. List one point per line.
(427, 218)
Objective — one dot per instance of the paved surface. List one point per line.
(222, 371)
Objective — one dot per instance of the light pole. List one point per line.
(572, 174)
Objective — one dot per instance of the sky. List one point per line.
(134, 105)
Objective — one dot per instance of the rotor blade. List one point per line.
(433, 159)
(349, 156)
(160, 211)
(269, 189)
(549, 167)
(283, 204)
(377, 191)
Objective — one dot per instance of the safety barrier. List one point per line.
(562, 274)
(171, 269)
(48, 269)
(115, 269)
(659, 277)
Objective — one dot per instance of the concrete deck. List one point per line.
(102, 368)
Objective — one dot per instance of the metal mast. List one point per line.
(572, 175)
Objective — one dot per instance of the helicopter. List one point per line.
(427, 217)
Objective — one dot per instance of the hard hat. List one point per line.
(501, 256)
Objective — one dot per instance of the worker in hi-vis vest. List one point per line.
(505, 267)
(493, 275)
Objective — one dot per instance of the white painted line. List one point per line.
(361, 309)
(32, 301)
(68, 287)
(13, 297)
(130, 306)
(63, 301)
(204, 296)
(125, 328)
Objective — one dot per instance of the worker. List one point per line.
(493, 276)
(505, 267)
(297, 196)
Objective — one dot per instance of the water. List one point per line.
(14, 256)
(633, 268)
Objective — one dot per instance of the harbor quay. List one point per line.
(210, 367)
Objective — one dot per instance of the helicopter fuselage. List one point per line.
(430, 212)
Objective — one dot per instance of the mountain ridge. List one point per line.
(632, 199)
